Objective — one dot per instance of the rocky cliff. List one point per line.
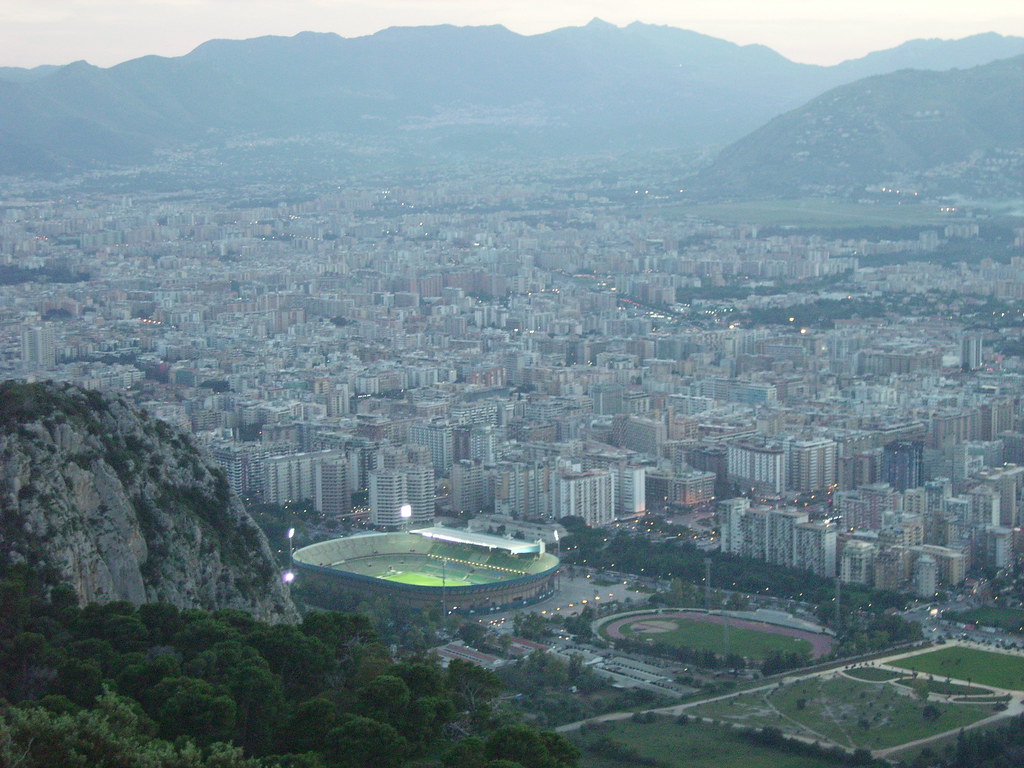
(96, 493)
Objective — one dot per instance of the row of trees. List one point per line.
(115, 685)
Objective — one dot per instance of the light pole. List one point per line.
(289, 576)
(405, 513)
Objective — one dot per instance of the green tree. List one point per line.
(361, 742)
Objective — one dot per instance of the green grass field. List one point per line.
(985, 667)
(846, 712)
(831, 214)
(872, 674)
(697, 634)
(671, 745)
(428, 575)
(1011, 620)
(420, 579)
(944, 688)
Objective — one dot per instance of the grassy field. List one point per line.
(810, 213)
(873, 674)
(430, 576)
(420, 579)
(696, 745)
(843, 711)
(944, 688)
(697, 634)
(1005, 618)
(985, 667)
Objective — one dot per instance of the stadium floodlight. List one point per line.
(288, 577)
(291, 533)
(405, 511)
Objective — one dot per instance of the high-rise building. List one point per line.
(589, 495)
(292, 477)
(970, 352)
(331, 493)
(903, 464)
(779, 536)
(38, 347)
(437, 436)
(469, 487)
(759, 465)
(858, 563)
(392, 489)
(811, 464)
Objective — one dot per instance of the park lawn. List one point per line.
(706, 635)
(843, 711)
(1010, 619)
(986, 667)
(694, 745)
(944, 688)
(872, 674)
(808, 213)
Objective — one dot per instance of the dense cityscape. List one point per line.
(451, 397)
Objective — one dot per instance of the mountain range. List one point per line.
(591, 89)
(960, 131)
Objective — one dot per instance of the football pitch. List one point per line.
(420, 579)
(429, 576)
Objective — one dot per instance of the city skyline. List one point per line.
(106, 33)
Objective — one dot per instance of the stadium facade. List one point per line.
(457, 571)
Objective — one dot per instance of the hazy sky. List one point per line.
(105, 32)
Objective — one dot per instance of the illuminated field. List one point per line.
(429, 575)
(479, 573)
(421, 579)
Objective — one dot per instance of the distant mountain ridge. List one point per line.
(596, 88)
(909, 124)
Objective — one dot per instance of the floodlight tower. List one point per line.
(291, 547)
(405, 513)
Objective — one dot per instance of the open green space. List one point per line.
(872, 674)
(843, 711)
(986, 667)
(832, 214)
(1010, 619)
(944, 688)
(716, 637)
(668, 744)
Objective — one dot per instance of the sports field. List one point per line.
(428, 575)
(721, 634)
(986, 667)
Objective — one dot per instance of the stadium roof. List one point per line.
(515, 546)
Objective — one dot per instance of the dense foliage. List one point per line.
(114, 685)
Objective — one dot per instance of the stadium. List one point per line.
(457, 571)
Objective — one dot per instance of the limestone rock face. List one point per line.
(96, 493)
